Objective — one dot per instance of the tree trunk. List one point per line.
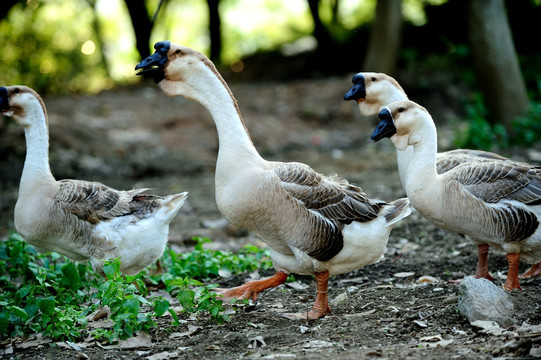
(142, 26)
(215, 31)
(385, 34)
(324, 39)
(496, 63)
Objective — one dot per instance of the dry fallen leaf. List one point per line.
(297, 285)
(339, 299)
(37, 340)
(192, 329)
(141, 339)
(428, 279)
(420, 323)
(403, 274)
(166, 355)
(431, 338)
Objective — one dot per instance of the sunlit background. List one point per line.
(60, 46)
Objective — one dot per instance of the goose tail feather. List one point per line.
(397, 210)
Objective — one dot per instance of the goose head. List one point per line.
(373, 90)
(18, 102)
(178, 70)
(404, 122)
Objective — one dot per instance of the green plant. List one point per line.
(43, 293)
(205, 264)
(478, 132)
(528, 128)
(35, 287)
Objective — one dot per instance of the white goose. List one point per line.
(372, 91)
(80, 219)
(494, 202)
(313, 224)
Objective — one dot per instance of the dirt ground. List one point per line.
(405, 306)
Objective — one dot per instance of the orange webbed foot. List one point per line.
(534, 271)
(251, 289)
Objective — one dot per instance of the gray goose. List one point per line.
(313, 224)
(82, 220)
(493, 202)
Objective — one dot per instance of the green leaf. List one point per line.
(141, 318)
(128, 329)
(186, 298)
(132, 305)
(4, 322)
(160, 307)
(71, 276)
(18, 312)
(24, 290)
(111, 268)
(46, 305)
(176, 322)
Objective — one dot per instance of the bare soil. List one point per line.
(405, 306)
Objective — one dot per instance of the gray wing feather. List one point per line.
(336, 201)
(492, 181)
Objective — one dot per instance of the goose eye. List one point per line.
(17, 90)
(373, 79)
(178, 51)
(401, 110)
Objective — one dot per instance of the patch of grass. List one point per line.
(49, 294)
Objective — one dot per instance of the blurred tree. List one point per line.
(98, 36)
(496, 63)
(142, 25)
(322, 35)
(215, 31)
(385, 35)
(6, 5)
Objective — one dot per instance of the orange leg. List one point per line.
(534, 271)
(482, 263)
(321, 304)
(250, 289)
(512, 274)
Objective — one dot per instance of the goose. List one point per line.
(313, 224)
(82, 220)
(372, 91)
(493, 202)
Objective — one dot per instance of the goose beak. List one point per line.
(4, 101)
(358, 90)
(154, 64)
(385, 126)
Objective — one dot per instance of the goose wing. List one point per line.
(492, 181)
(94, 202)
(331, 202)
(452, 158)
(332, 197)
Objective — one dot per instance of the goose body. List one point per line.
(313, 224)
(80, 219)
(494, 202)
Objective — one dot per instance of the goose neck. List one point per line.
(421, 171)
(233, 135)
(36, 170)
